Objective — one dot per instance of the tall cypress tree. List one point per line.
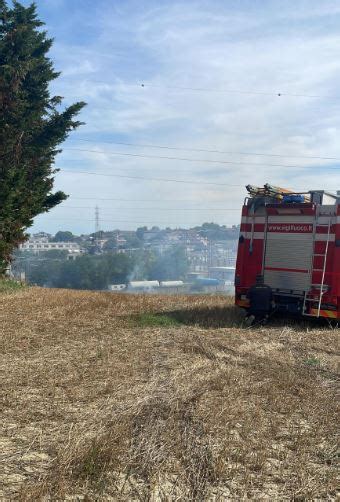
(32, 125)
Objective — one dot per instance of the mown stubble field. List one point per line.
(123, 397)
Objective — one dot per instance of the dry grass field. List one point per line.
(117, 397)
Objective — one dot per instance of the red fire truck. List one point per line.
(293, 241)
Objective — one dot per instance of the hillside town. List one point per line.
(207, 254)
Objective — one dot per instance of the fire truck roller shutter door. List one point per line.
(288, 260)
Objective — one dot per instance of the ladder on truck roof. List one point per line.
(309, 297)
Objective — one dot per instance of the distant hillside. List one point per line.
(119, 397)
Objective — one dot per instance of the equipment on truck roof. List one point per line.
(267, 191)
(293, 240)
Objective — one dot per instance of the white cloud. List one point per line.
(202, 45)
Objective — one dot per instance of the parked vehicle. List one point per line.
(293, 241)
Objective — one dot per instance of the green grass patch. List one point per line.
(154, 320)
(206, 317)
(312, 361)
(10, 286)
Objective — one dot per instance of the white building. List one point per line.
(41, 245)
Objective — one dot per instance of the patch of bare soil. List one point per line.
(124, 397)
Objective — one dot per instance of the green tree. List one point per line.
(143, 263)
(140, 232)
(43, 272)
(32, 125)
(171, 265)
(117, 268)
(132, 241)
(215, 232)
(110, 245)
(63, 236)
(85, 272)
(53, 254)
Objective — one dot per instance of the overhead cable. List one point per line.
(190, 182)
(125, 221)
(186, 159)
(153, 208)
(231, 91)
(276, 94)
(166, 147)
(133, 200)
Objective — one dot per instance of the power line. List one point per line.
(153, 222)
(190, 182)
(262, 154)
(206, 161)
(170, 180)
(154, 208)
(277, 94)
(132, 200)
(231, 91)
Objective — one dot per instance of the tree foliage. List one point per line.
(85, 272)
(64, 236)
(171, 265)
(215, 232)
(53, 269)
(32, 124)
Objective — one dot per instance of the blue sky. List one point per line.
(107, 49)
